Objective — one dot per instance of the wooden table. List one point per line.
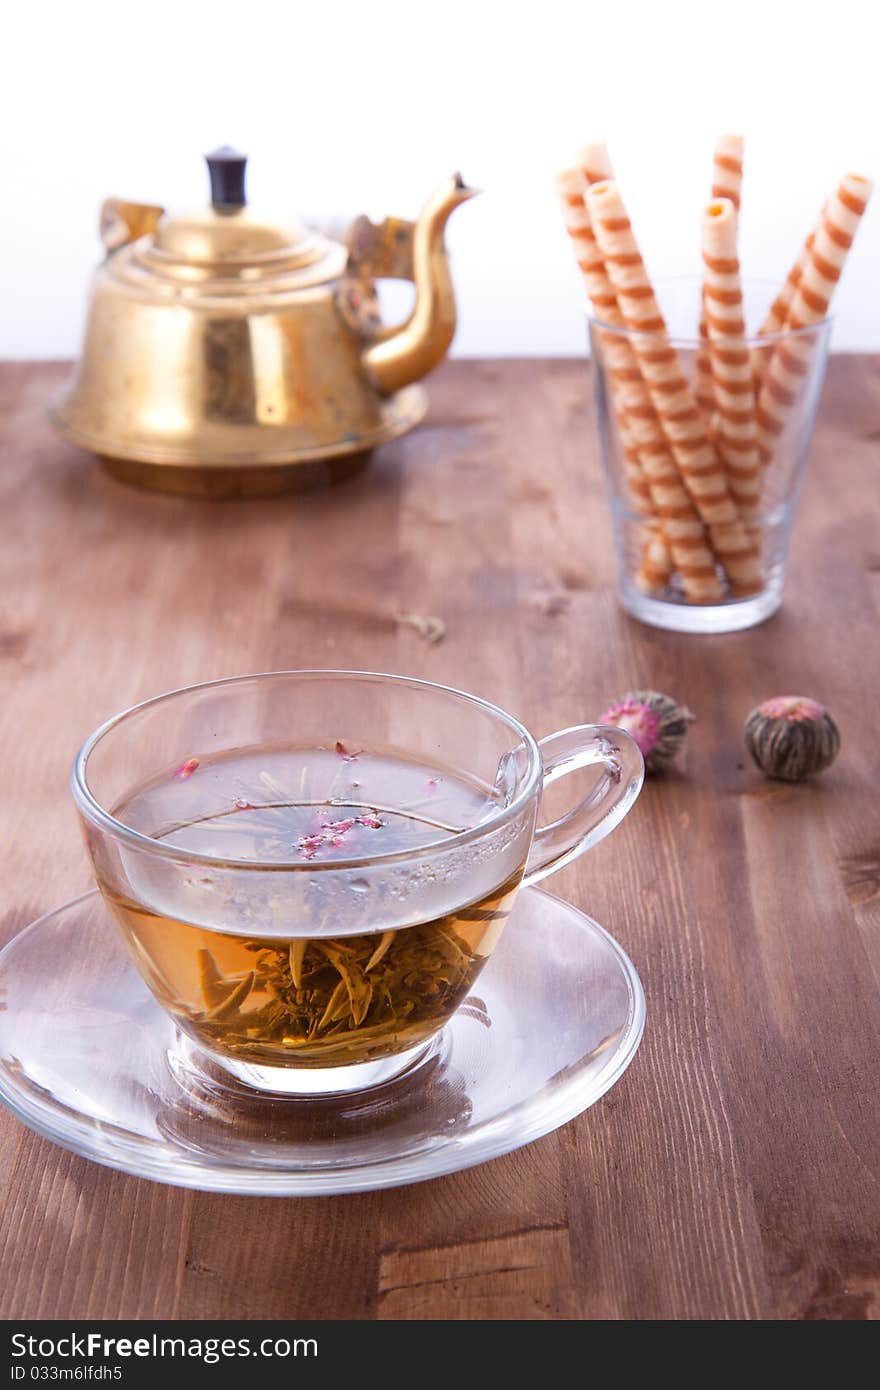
(734, 1172)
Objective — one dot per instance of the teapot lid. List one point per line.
(229, 239)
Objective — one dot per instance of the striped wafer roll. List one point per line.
(656, 562)
(727, 173)
(683, 531)
(594, 164)
(777, 314)
(704, 387)
(641, 433)
(727, 168)
(695, 562)
(637, 483)
(737, 437)
(698, 463)
(571, 186)
(822, 267)
(623, 374)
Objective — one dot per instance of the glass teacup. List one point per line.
(311, 868)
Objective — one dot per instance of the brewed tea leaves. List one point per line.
(341, 987)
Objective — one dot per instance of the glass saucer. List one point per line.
(90, 1061)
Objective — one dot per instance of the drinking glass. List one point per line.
(660, 599)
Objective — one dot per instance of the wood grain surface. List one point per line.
(734, 1172)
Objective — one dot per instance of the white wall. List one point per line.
(350, 106)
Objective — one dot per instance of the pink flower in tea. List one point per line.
(308, 845)
(186, 769)
(333, 833)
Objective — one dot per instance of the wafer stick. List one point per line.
(571, 186)
(777, 314)
(683, 530)
(824, 262)
(595, 164)
(635, 475)
(672, 397)
(656, 561)
(727, 168)
(641, 434)
(704, 388)
(727, 171)
(737, 437)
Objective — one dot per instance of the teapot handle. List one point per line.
(122, 222)
(381, 250)
(376, 251)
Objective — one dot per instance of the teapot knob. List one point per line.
(227, 171)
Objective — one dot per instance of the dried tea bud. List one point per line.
(791, 737)
(656, 722)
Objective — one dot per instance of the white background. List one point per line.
(348, 107)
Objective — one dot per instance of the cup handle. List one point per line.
(606, 805)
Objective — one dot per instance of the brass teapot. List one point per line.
(229, 354)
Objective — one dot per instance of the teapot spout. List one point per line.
(407, 353)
